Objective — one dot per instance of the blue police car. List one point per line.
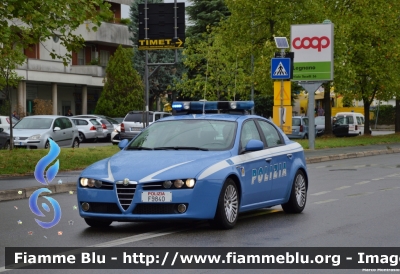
(212, 162)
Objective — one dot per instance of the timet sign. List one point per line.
(313, 52)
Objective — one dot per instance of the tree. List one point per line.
(30, 22)
(366, 49)
(203, 15)
(123, 87)
(161, 76)
(10, 58)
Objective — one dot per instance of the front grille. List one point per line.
(110, 208)
(156, 209)
(126, 193)
(20, 138)
(153, 186)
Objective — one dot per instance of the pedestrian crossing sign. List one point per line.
(280, 68)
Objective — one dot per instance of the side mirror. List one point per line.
(123, 144)
(254, 145)
(56, 129)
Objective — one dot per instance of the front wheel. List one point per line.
(298, 195)
(97, 223)
(228, 206)
(75, 144)
(7, 145)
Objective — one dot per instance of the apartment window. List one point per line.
(81, 56)
(104, 57)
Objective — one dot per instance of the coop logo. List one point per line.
(311, 42)
(45, 180)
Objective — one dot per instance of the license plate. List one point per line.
(156, 197)
(17, 143)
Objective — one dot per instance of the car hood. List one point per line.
(28, 132)
(148, 166)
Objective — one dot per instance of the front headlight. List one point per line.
(86, 182)
(34, 137)
(179, 183)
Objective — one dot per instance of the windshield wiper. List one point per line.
(139, 148)
(178, 148)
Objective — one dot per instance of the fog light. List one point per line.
(190, 183)
(85, 206)
(167, 184)
(91, 183)
(181, 208)
(98, 183)
(178, 183)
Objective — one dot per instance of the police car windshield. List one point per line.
(185, 134)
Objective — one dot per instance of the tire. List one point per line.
(82, 137)
(47, 145)
(227, 211)
(75, 144)
(7, 145)
(97, 223)
(298, 195)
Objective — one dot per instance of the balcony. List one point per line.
(107, 34)
(89, 70)
(44, 65)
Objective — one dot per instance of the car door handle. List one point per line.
(290, 156)
(268, 160)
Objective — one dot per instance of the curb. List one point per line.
(23, 193)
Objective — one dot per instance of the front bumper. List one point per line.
(201, 203)
(31, 144)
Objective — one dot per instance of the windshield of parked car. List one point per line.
(187, 134)
(34, 123)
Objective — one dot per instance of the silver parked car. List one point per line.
(134, 122)
(34, 131)
(300, 128)
(89, 129)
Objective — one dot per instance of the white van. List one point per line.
(348, 124)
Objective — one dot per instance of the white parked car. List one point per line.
(89, 129)
(5, 122)
(34, 131)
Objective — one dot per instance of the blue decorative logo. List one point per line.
(45, 180)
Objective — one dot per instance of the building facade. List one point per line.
(78, 85)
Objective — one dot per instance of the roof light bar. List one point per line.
(211, 106)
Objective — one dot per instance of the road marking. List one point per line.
(136, 238)
(360, 194)
(377, 179)
(320, 166)
(391, 188)
(359, 166)
(326, 201)
(320, 193)
(392, 175)
(342, 187)
(362, 183)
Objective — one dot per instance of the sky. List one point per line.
(125, 8)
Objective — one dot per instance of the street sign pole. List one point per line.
(282, 91)
(311, 88)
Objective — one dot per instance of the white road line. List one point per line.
(342, 187)
(320, 166)
(320, 193)
(359, 166)
(362, 183)
(326, 201)
(392, 175)
(377, 179)
(359, 194)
